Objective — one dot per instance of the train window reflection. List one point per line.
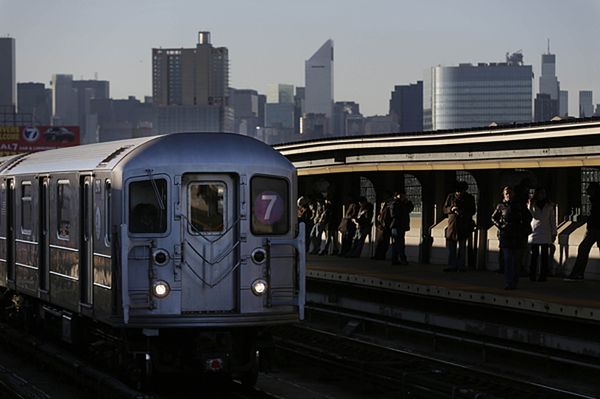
(26, 208)
(148, 206)
(63, 209)
(207, 207)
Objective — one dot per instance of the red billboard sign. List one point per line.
(18, 139)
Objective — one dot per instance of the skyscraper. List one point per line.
(563, 103)
(547, 101)
(190, 87)
(36, 100)
(586, 104)
(319, 81)
(64, 100)
(474, 96)
(191, 76)
(8, 82)
(406, 107)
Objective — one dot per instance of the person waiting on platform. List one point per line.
(363, 222)
(460, 208)
(384, 231)
(592, 233)
(316, 234)
(543, 233)
(347, 227)
(512, 218)
(330, 228)
(399, 211)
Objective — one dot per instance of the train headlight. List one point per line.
(259, 287)
(160, 257)
(160, 289)
(259, 256)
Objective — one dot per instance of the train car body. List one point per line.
(188, 234)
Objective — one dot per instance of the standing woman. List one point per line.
(512, 219)
(543, 233)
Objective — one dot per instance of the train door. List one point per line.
(86, 240)
(44, 253)
(10, 231)
(210, 243)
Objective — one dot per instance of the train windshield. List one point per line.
(206, 207)
(147, 206)
(270, 206)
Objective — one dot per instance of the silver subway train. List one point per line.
(183, 248)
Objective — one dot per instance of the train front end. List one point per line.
(211, 254)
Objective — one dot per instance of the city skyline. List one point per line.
(377, 47)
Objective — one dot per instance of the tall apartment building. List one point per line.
(406, 107)
(190, 87)
(8, 82)
(469, 95)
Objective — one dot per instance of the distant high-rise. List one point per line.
(35, 99)
(563, 103)
(406, 107)
(474, 96)
(546, 104)
(280, 93)
(8, 82)
(549, 83)
(319, 81)
(86, 91)
(64, 100)
(192, 78)
(586, 104)
(342, 111)
(245, 106)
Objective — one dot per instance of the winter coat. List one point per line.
(513, 220)
(543, 223)
(399, 212)
(460, 222)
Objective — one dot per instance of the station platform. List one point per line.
(571, 299)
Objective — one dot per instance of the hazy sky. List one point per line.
(378, 43)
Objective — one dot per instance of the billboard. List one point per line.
(19, 139)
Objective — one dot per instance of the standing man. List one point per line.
(592, 234)
(399, 209)
(383, 221)
(460, 208)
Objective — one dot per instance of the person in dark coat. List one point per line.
(592, 233)
(513, 220)
(363, 222)
(347, 228)
(384, 230)
(460, 208)
(399, 210)
(330, 228)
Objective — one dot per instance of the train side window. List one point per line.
(207, 207)
(270, 206)
(148, 206)
(26, 221)
(63, 209)
(107, 204)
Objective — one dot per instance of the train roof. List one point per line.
(156, 150)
